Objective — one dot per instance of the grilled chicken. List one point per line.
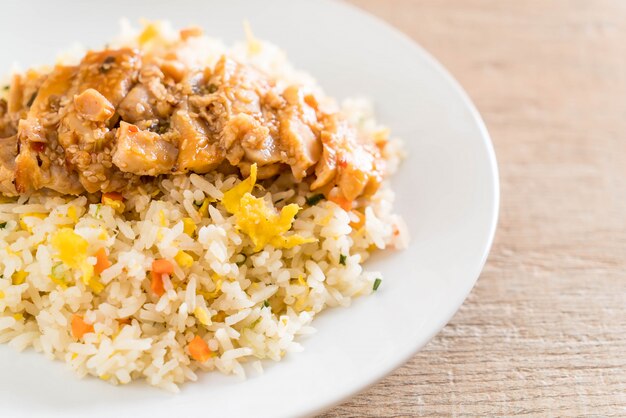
(41, 160)
(122, 114)
(109, 76)
(144, 153)
(356, 168)
(8, 152)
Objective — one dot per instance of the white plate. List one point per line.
(447, 191)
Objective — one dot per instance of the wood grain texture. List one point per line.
(543, 333)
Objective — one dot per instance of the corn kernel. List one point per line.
(202, 316)
(19, 277)
(183, 259)
(189, 226)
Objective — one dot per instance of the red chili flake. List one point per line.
(37, 146)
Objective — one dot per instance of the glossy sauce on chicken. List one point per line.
(123, 114)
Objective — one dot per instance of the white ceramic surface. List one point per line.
(447, 191)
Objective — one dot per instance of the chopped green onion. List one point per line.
(314, 200)
(377, 283)
(5, 87)
(58, 272)
(342, 259)
(98, 206)
(266, 304)
(3, 225)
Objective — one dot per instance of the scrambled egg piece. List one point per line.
(150, 32)
(260, 221)
(72, 250)
(232, 198)
(25, 226)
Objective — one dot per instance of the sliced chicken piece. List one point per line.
(234, 113)
(8, 152)
(196, 151)
(262, 152)
(41, 162)
(111, 72)
(92, 105)
(176, 70)
(243, 135)
(356, 168)
(241, 85)
(143, 153)
(16, 94)
(7, 127)
(299, 132)
(359, 173)
(326, 168)
(22, 93)
(43, 172)
(136, 105)
(149, 99)
(88, 143)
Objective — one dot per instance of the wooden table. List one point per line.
(543, 333)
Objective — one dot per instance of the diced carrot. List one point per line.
(162, 266)
(80, 327)
(156, 284)
(112, 196)
(344, 203)
(190, 32)
(358, 224)
(102, 261)
(199, 350)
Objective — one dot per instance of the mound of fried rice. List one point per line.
(245, 303)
